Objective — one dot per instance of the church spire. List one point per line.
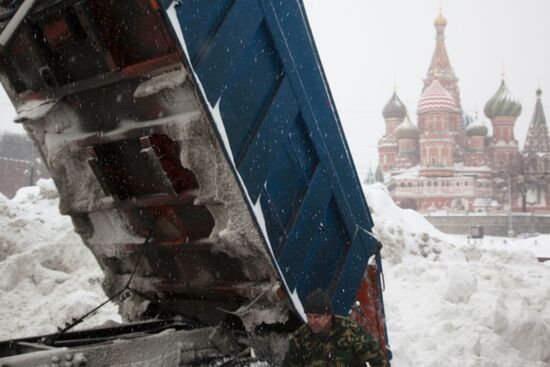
(440, 67)
(537, 135)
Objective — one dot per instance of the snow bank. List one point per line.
(403, 231)
(538, 245)
(450, 303)
(48, 275)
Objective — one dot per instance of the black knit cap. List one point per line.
(318, 302)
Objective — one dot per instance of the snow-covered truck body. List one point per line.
(198, 150)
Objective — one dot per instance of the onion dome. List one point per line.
(502, 104)
(477, 128)
(406, 130)
(436, 99)
(394, 108)
(440, 21)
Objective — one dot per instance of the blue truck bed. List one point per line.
(257, 62)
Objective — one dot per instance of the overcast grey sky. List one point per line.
(367, 44)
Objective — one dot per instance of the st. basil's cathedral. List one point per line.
(450, 162)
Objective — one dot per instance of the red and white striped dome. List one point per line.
(436, 99)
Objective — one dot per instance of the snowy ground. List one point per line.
(47, 275)
(448, 303)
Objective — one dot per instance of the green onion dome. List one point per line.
(406, 130)
(477, 128)
(394, 108)
(502, 104)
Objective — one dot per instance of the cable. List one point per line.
(75, 321)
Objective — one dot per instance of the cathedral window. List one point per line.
(547, 164)
(500, 159)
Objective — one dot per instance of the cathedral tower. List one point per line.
(503, 110)
(476, 149)
(440, 67)
(394, 112)
(537, 136)
(537, 144)
(406, 134)
(436, 108)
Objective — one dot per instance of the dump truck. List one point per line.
(197, 148)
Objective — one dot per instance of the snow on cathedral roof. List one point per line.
(436, 99)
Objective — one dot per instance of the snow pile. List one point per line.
(48, 275)
(449, 303)
(539, 245)
(403, 231)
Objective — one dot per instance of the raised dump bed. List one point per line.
(196, 144)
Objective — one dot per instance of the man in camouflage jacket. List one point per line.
(331, 341)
